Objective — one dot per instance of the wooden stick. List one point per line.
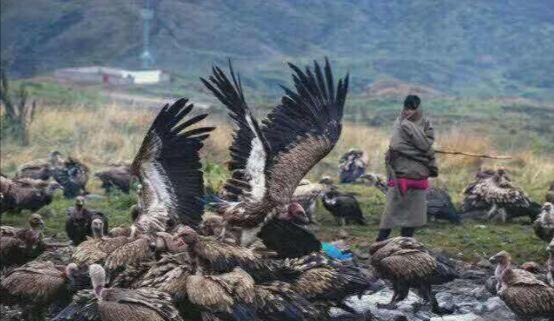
(471, 154)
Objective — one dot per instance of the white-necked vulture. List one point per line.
(407, 263)
(79, 219)
(169, 169)
(496, 195)
(268, 161)
(116, 304)
(18, 246)
(36, 286)
(524, 294)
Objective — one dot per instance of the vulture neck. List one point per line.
(502, 269)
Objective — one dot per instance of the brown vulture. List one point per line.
(169, 170)
(25, 194)
(38, 285)
(18, 246)
(352, 165)
(407, 263)
(73, 176)
(439, 202)
(268, 161)
(498, 196)
(40, 169)
(550, 267)
(344, 207)
(116, 304)
(79, 219)
(119, 177)
(114, 252)
(524, 294)
(544, 224)
(332, 283)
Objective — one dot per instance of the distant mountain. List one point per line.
(493, 47)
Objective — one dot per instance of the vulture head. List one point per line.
(78, 277)
(188, 235)
(501, 179)
(55, 158)
(36, 222)
(97, 228)
(503, 259)
(166, 242)
(80, 202)
(97, 278)
(295, 213)
(547, 213)
(550, 247)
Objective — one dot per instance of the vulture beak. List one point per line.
(494, 259)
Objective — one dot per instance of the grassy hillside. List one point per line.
(477, 48)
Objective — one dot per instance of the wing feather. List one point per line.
(168, 166)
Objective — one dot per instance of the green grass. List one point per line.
(469, 242)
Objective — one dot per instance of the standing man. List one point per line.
(410, 161)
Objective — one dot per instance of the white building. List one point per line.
(113, 76)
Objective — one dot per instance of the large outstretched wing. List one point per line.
(169, 169)
(303, 129)
(269, 162)
(249, 150)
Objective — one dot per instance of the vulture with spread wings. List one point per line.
(169, 169)
(268, 160)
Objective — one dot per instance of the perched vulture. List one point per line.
(344, 207)
(407, 263)
(306, 194)
(114, 252)
(116, 304)
(333, 283)
(40, 169)
(268, 161)
(73, 176)
(26, 193)
(37, 285)
(439, 202)
(528, 269)
(18, 246)
(550, 271)
(524, 294)
(544, 224)
(352, 165)
(497, 195)
(169, 170)
(79, 219)
(119, 177)
(550, 194)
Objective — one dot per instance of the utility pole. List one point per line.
(147, 15)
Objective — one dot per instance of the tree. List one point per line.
(19, 113)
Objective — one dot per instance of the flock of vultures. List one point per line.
(252, 256)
